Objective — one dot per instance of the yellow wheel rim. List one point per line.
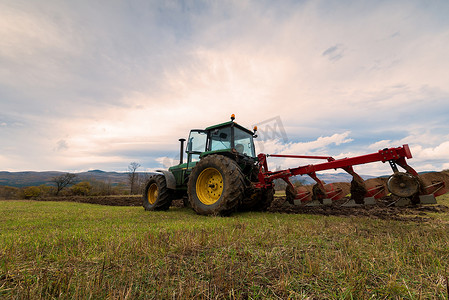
(152, 193)
(209, 186)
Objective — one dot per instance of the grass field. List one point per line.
(72, 250)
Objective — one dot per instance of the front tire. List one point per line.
(156, 195)
(216, 186)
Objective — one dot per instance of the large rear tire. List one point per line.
(156, 195)
(216, 186)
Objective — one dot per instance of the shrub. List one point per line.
(47, 190)
(81, 189)
(9, 192)
(31, 192)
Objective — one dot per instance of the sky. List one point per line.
(100, 84)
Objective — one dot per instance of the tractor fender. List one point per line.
(169, 179)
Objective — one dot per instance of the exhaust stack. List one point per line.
(181, 152)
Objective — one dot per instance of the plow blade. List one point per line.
(333, 193)
(305, 197)
(376, 192)
(437, 188)
(302, 195)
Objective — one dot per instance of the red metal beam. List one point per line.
(329, 158)
(395, 154)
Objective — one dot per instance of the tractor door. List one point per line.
(196, 144)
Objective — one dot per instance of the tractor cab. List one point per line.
(229, 139)
(226, 138)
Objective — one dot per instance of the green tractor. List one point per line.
(219, 177)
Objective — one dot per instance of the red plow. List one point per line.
(407, 187)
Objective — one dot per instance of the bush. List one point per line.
(31, 192)
(9, 192)
(47, 190)
(81, 189)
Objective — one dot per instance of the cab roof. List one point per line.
(229, 123)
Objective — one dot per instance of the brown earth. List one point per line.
(344, 186)
(382, 210)
(102, 200)
(429, 178)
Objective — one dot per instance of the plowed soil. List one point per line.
(433, 177)
(102, 200)
(382, 210)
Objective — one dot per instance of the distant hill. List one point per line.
(21, 179)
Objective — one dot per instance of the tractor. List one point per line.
(223, 174)
(219, 176)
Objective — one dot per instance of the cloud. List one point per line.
(440, 152)
(322, 146)
(61, 145)
(166, 162)
(126, 80)
(316, 146)
(334, 53)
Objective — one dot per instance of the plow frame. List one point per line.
(395, 156)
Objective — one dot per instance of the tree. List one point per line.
(62, 181)
(133, 177)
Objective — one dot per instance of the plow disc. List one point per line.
(403, 185)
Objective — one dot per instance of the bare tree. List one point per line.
(133, 176)
(63, 180)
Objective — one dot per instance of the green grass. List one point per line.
(73, 250)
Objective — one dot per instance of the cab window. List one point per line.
(220, 139)
(243, 142)
(196, 144)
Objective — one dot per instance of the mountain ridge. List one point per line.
(36, 178)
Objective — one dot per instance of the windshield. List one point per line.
(220, 139)
(243, 142)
